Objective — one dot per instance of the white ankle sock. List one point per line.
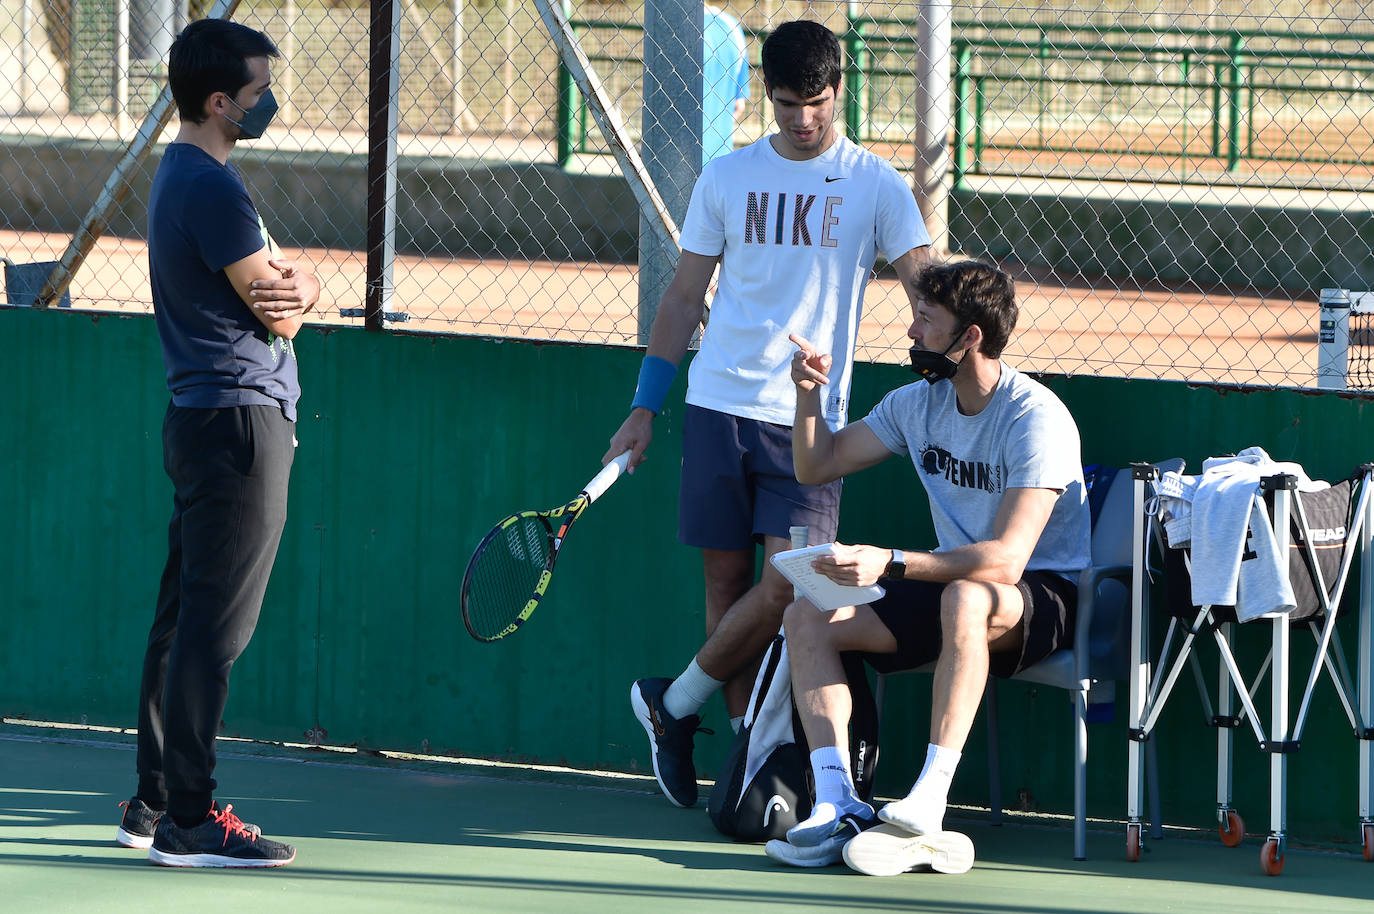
(689, 691)
(834, 783)
(937, 774)
(922, 811)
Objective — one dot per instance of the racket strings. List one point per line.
(505, 573)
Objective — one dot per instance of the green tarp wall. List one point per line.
(412, 446)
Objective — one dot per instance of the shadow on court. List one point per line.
(388, 835)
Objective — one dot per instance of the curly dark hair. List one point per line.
(977, 293)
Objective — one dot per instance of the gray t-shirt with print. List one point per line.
(1023, 438)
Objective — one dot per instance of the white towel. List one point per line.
(1236, 559)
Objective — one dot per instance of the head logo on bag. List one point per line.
(775, 804)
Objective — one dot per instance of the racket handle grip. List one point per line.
(799, 536)
(609, 474)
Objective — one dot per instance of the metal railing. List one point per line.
(1194, 104)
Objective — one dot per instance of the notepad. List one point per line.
(795, 565)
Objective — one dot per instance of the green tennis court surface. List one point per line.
(378, 834)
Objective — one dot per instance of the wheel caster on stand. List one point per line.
(1232, 827)
(1133, 841)
(1271, 856)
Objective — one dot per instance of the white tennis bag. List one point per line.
(762, 789)
(764, 786)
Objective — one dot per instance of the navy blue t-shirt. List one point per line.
(217, 353)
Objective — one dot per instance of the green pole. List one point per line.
(1216, 106)
(963, 62)
(1233, 113)
(1183, 145)
(567, 103)
(980, 109)
(854, 69)
(1043, 54)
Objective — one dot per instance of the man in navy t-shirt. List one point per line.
(227, 307)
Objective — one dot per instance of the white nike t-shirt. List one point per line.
(798, 241)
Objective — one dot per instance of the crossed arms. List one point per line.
(278, 291)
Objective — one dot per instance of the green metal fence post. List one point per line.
(1183, 120)
(566, 106)
(980, 109)
(854, 70)
(1217, 64)
(1234, 86)
(1248, 75)
(1043, 54)
(963, 62)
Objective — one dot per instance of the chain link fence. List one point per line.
(1170, 183)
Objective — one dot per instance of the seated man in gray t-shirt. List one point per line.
(998, 456)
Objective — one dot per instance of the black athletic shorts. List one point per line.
(911, 611)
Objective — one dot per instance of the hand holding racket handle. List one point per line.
(603, 480)
(799, 536)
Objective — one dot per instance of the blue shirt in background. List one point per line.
(726, 79)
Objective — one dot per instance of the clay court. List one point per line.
(1069, 325)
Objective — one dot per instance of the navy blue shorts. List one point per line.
(911, 611)
(738, 485)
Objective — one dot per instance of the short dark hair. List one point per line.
(977, 293)
(802, 56)
(209, 56)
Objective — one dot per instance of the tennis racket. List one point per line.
(511, 568)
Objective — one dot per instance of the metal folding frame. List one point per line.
(1150, 691)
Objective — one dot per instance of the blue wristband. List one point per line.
(655, 377)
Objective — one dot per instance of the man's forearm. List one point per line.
(673, 327)
(812, 443)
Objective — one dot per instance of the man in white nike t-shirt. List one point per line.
(795, 221)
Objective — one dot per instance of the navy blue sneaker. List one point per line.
(222, 839)
(670, 741)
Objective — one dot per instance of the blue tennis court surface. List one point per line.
(398, 835)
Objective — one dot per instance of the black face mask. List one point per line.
(935, 366)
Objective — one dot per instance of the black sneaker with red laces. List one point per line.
(221, 840)
(136, 828)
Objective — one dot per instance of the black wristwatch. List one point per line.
(896, 569)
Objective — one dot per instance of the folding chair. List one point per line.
(1099, 653)
(23, 282)
(1318, 596)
